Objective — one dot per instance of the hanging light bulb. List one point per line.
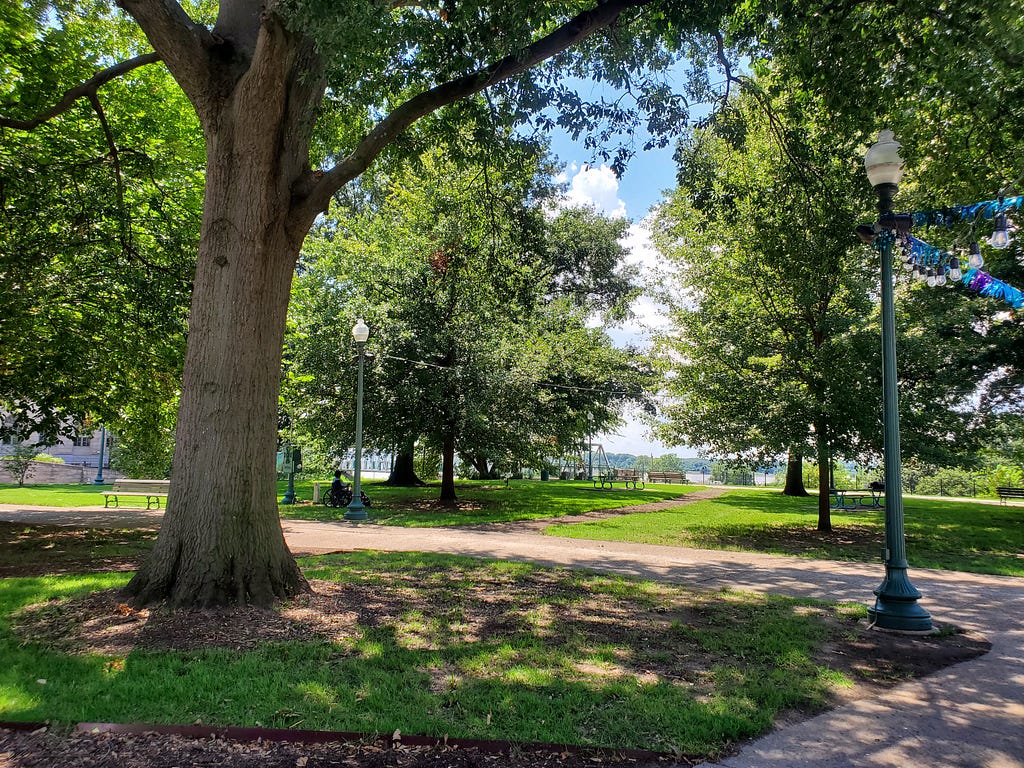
(974, 258)
(1000, 236)
(930, 277)
(954, 269)
(908, 265)
(922, 275)
(940, 276)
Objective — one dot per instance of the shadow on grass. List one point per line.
(439, 645)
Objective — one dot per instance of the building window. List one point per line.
(81, 441)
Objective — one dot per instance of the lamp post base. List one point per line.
(356, 511)
(896, 605)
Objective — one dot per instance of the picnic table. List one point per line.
(857, 498)
(629, 477)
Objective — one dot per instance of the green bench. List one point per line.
(857, 498)
(150, 490)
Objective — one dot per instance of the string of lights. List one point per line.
(938, 267)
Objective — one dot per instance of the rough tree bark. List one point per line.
(794, 475)
(221, 540)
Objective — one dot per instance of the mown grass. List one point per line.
(951, 535)
(448, 645)
(483, 502)
(64, 495)
(479, 501)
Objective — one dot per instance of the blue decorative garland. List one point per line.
(941, 267)
(947, 217)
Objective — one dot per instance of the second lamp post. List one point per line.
(356, 509)
(896, 604)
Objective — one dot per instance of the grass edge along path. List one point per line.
(437, 645)
(942, 534)
(479, 502)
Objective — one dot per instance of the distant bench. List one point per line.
(666, 477)
(629, 477)
(1009, 493)
(151, 490)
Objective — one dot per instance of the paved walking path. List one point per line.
(968, 716)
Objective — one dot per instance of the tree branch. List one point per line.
(180, 42)
(87, 90)
(115, 156)
(573, 31)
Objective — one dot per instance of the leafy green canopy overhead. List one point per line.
(99, 215)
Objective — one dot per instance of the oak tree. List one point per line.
(296, 98)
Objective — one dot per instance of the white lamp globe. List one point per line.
(883, 162)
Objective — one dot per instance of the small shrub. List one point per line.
(19, 462)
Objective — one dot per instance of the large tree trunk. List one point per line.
(403, 473)
(221, 539)
(824, 477)
(794, 475)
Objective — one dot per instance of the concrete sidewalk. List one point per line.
(969, 716)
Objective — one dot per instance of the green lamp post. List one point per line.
(99, 467)
(896, 604)
(356, 510)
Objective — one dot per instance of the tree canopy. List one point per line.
(481, 343)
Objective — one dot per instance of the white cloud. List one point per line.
(594, 187)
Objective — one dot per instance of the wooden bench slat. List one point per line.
(666, 477)
(1008, 492)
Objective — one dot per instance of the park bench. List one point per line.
(666, 477)
(151, 490)
(1009, 493)
(629, 477)
(856, 498)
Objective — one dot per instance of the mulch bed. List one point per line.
(43, 749)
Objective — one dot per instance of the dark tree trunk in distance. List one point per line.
(448, 468)
(403, 473)
(824, 478)
(482, 466)
(795, 475)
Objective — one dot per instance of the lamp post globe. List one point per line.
(896, 606)
(356, 510)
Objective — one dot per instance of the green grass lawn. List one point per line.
(436, 645)
(965, 536)
(479, 501)
(482, 501)
(67, 495)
